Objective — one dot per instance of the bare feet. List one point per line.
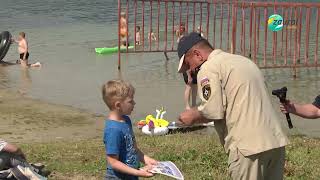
(37, 64)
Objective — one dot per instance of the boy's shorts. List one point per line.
(111, 177)
(22, 54)
(268, 165)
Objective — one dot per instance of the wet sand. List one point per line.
(27, 120)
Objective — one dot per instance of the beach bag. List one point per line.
(6, 175)
(20, 173)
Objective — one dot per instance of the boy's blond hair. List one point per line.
(116, 90)
(23, 34)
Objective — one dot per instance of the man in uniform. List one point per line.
(234, 96)
(309, 111)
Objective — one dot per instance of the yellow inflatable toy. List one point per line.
(155, 126)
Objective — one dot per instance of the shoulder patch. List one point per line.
(206, 91)
(204, 81)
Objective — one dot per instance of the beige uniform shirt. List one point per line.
(232, 89)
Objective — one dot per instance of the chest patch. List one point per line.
(206, 91)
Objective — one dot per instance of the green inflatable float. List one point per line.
(110, 50)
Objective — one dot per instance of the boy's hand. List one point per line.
(287, 107)
(149, 161)
(144, 172)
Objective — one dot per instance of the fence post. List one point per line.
(234, 28)
(317, 35)
(119, 14)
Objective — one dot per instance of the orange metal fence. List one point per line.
(238, 27)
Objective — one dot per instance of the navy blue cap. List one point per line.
(185, 44)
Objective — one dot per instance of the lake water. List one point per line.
(62, 36)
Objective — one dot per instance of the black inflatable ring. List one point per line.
(5, 42)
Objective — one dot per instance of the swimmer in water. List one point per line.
(123, 29)
(180, 31)
(152, 36)
(23, 50)
(199, 30)
(138, 36)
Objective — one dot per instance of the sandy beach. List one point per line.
(26, 120)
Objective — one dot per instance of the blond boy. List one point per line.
(123, 155)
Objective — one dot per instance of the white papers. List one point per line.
(168, 168)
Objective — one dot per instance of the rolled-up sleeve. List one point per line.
(317, 101)
(2, 144)
(211, 94)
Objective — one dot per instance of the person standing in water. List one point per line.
(152, 36)
(180, 31)
(199, 30)
(23, 50)
(123, 29)
(138, 38)
(189, 77)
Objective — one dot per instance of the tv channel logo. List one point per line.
(275, 22)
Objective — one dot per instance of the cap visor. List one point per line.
(182, 67)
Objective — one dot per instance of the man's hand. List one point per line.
(287, 107)
(190, 116)
(308, 111)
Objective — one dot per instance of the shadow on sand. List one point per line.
(4, 63)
